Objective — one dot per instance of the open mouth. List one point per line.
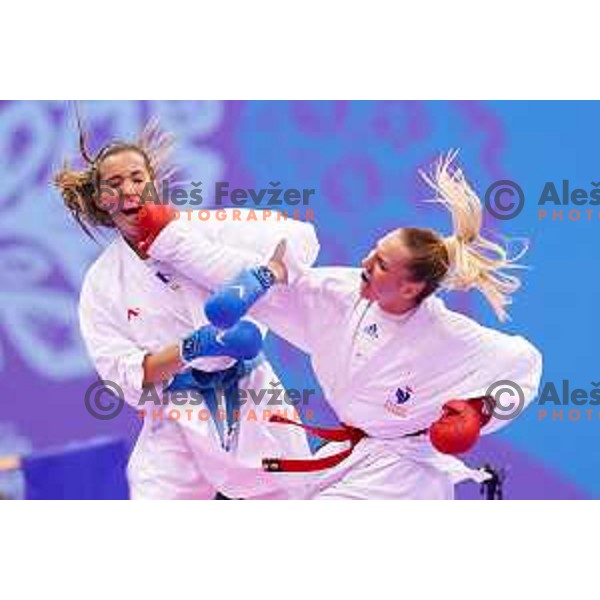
(131, 211)
(365, 277)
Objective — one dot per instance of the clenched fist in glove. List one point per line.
(227, 305)
(152, 219)
(242, 341)
(457, 430)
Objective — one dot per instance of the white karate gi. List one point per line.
(363, 356)
(127, 310)
(367, 360)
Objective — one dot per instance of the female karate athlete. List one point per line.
(144, 327)
(409, 378)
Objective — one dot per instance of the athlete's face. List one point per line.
(123, 179)
(386, 278)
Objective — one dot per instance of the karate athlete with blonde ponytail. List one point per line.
(407, 377)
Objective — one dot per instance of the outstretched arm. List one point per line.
(301, 309)
(229, 255)
(212, 253)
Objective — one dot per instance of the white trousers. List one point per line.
(184, 459)
(385, 470)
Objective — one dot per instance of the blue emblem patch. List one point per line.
(371, 330)
(403, 395)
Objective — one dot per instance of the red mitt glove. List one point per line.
(152, 219)
(458, 428)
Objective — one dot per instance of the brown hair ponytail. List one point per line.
(80, 188)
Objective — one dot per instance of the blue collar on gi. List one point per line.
(216, 384)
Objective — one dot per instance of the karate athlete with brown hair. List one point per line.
(144, 326)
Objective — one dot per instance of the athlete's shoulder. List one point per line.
(452, 324)
(102, 270)
(455, 328)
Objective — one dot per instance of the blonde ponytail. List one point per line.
(474, 261)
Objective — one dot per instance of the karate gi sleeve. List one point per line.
(521, 365)
(210, 256)
(115, 357)
(308, 309)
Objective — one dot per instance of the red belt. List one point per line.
(345, 433)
